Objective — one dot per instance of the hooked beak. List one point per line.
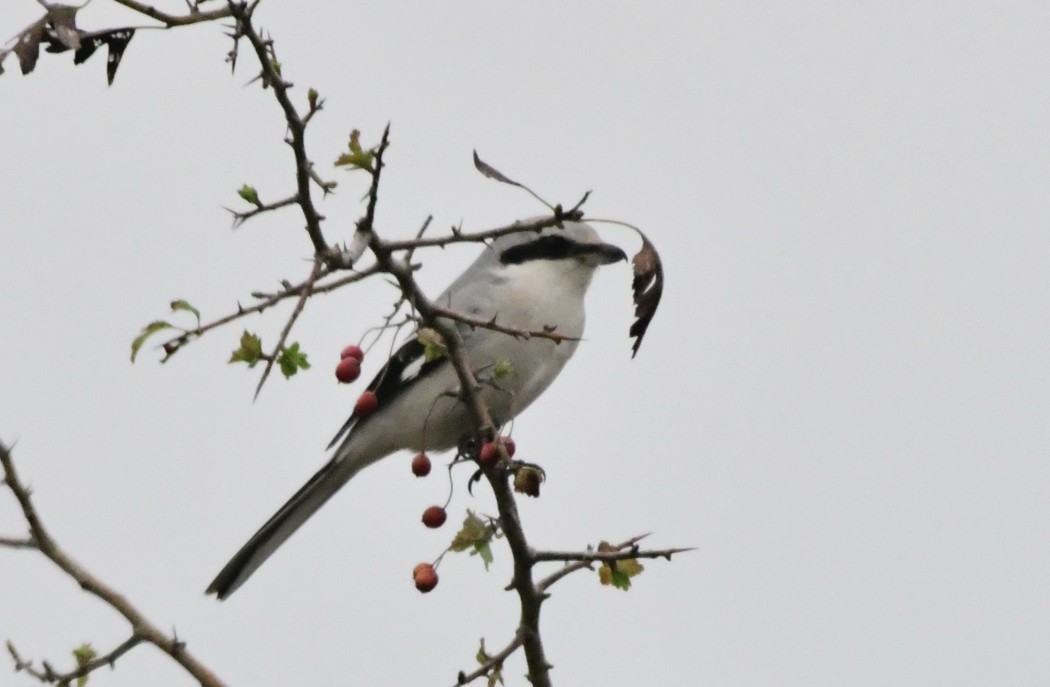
(604, 254)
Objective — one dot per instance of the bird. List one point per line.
(529, 280)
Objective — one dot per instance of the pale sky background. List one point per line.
(843, 401)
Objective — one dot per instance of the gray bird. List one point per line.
(527, 280)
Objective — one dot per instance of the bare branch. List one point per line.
(546, 333)
(240, 218)
(606, 556)
(195, 16)
(16, 543)
(483, 236)
(141, 628)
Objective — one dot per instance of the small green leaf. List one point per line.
(482, 657)
(276, 66)
(183, 305)
(475, 536)
(502, 370)
(433, 344)
(292, 360)
(250, 351)
(358, 157)
(483, 550)
(84, 654)
(249, 194)
(147, 331)
(618, 573)
(311, 97)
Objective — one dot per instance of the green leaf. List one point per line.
(475, 536)
(502, 370)
(311, 97)
(292, 360)
(619, 573)
(84, 654)
(147, 331)
(183, 305)
(433, 344)
(483, 550)
(250, 351)
(249, 194)
(357, 157)
(482, 657)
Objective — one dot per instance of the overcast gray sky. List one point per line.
(843, 401)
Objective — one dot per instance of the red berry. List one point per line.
(353, 351)
(348, 370)
(420, 465)
(366, 403)
(434, 517)
(508, 443)
(488, 455)
(425, 577)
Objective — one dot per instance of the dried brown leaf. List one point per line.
(27, 46)
(491, 172)
(648, 286)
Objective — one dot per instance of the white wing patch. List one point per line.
(411, 371)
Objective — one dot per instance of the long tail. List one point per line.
(298, 509)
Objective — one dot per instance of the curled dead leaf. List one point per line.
(648, 286)
(491, 172)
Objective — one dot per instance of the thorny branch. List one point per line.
(576, 561)
(47, 674)
(142, 630)
(173, 345)
(271, 73)
(195, 16)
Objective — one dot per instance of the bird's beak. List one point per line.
(604, 254)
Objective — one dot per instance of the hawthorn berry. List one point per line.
(353, 351)
(420, 465)
(434, 517)
(348, 370)
(489, 454)
(366, 403)
(508, 443)
(425, 577)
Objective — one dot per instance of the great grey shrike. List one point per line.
(527, 280)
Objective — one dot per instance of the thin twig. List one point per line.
(195, 16)
(495, 662)
(525, 334)
(173, 345)
(314, 274)
(484, 236)
(49, 675)
(16, 543)
(240, 218)
(606, 556)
